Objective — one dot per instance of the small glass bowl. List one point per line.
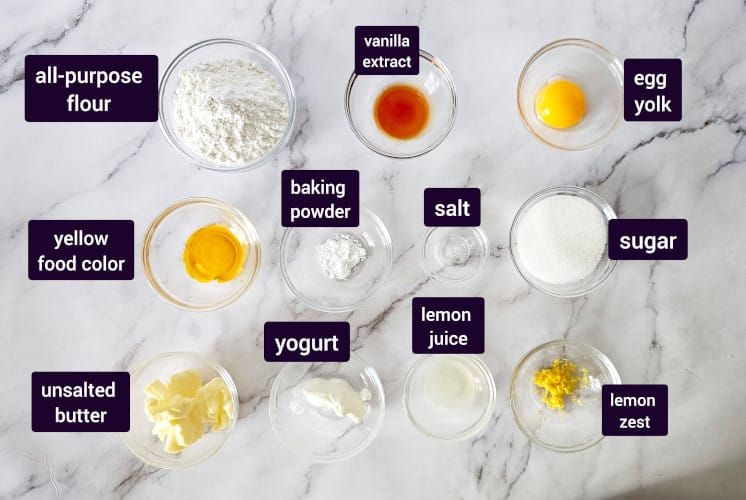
(604, 267)
(163, 249)
(434, 80)
(211, 50)
(598, 73)
(579, 426)
(314, 434)
(140, 439)
(449, 420)
(302, 272)
(453, 255)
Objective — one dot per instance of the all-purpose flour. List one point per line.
(230, 110)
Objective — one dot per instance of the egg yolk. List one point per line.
(560, 104)
(214, 253)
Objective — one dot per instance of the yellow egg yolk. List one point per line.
(214, 253)
(560, 104)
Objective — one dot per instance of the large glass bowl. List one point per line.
(163, 249)
(579, 426)
(434, 81)
(313, 433)
(140, 439)
(598, 73)
(592, 281)
(211, 50)
(302, 271)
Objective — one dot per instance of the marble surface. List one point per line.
(675, 323)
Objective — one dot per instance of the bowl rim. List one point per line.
(384, 275)
(138, 370)
(569, 190)
(485, 245)
(434, 61)
(615, 68)
(284, 80)
(479, 424)
(324, 459)
(616, 379)
(246, 225)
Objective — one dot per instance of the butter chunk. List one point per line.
(181, 408)
(185, 383)
(218, 404)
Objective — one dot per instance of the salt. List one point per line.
(561, 239)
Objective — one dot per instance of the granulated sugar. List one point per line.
(229, 111)
(561, 239)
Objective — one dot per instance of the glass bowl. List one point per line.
(579, 426)
(605, 265)
(140, 439)
(438, 415)
(598, 73)
(317, 435)
(211, 50)
(163, 249)
(434, 80)
(302, 271)
(453, 255)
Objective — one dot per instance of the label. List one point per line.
(448, 325)
(309, 341)
(652, 90)
(80, 401)
(634, 410)
(320, 198)
(648, 239)
(452, 207)
(387, 50)
(81, 249)
(91, 88)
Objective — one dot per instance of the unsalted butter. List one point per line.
(181, 408)
(338, 396)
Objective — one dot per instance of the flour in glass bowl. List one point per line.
(229, 111)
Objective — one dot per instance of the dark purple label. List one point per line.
(91, 88)
(652, 90)
(452, 207)
(648, 239)
(320, 198)
(387, 50)
(448, 325)
(312, 341)
(81, 249)
(634, 410)
(80, 401)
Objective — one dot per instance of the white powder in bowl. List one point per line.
(561, 239)
(229, 111)
(340, 255)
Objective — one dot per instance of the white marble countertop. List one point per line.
(675, 323)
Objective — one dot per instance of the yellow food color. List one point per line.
(214, 253)
(181, 408)
(560, 104)
(560, 381)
